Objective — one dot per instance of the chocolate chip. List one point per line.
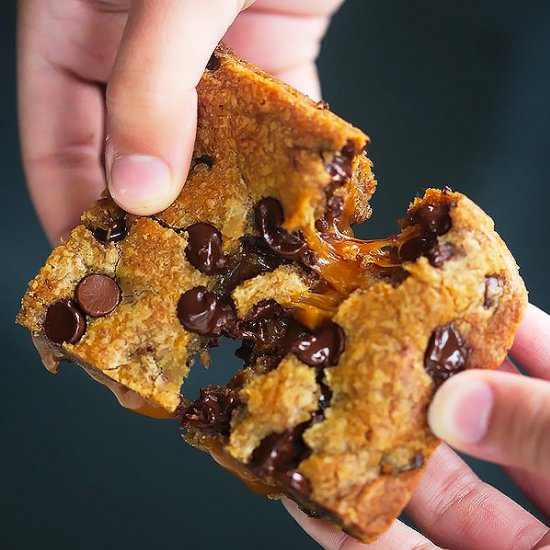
(115, 231)
(341, 167)
(280, 452)
(204, 248)
(202, 312)
(269, 217)
(323, 105)
(440, 252)
(97, 295)
(432, 218)
(211, 412)
(213, 63)
(296, 482)
(64, 322)
(446, 354)
(321, 349)
(493, 290)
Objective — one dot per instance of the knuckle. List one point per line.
(458, 484)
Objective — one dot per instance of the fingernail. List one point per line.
(140, 184)
(461, 409)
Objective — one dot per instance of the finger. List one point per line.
(283, 44)
(535, 488)
(151, 97)
(398, 537)
(60, 144)
(456, 509)
(496, 416)
(532, 343)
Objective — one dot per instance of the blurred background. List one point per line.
(451, 93)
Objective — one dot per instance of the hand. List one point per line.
(151, 54)
(500, 416)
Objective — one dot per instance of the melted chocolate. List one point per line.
(322, 348)
(256, 258)
(269, 218)
(280, 452)
(204, 248)
(446, 354)
(115, 231)
(202, 312)
(432, 218)
(211, 412)
(341, 167)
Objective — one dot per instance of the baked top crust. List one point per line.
(344, 341)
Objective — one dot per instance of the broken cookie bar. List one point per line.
(343, 341)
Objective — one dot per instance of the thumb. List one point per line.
(496, 416)
(151, 97)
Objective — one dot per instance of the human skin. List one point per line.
(107, 96)
(119, 76)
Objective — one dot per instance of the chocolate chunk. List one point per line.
(427, 245)
(202, 312)
(204, 248)
(432, 218)
(280, 452)
(269, 217)
(211, 412)
(321, 349)
(266, 323)
(115, 231)
(296, 482)
(493, 290)
(440, 252)
(255, 258)
(64, 322)
(412, 249)
(97, 295)
(213, 63)
(446, 354)
(341, 167)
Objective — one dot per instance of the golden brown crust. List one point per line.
(367, 446)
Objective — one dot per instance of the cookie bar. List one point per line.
(343, 341)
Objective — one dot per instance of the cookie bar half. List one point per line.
(343, 341)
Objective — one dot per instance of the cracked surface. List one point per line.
(347, 439)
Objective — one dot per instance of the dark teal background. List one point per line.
(452, 93)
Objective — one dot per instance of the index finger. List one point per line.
(532, 343)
